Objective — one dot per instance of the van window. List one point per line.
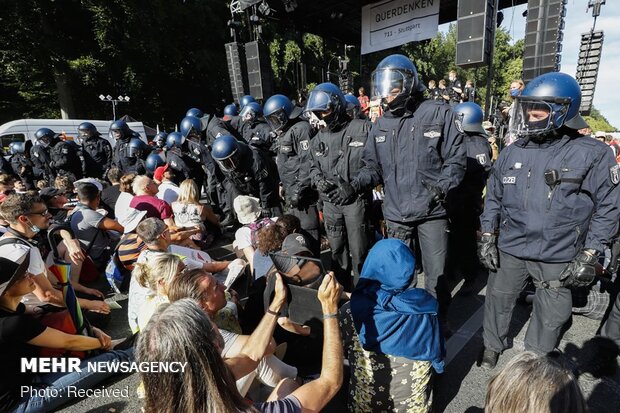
(6, 139)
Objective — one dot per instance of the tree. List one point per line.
(598, 122)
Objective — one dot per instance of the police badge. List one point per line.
(459, 125)
(305, 145)
(614, 174)
(482, 158)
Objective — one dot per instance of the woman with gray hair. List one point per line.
(534, 384)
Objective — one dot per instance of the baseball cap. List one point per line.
(294, 244)
(159, 172)
(92, 181)
(131, 220)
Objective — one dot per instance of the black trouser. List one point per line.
(428, 240)
(611, 328)
(462, 245)
(309, 219)
(552, 306)
(347, 230)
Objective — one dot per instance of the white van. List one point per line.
(24, 129)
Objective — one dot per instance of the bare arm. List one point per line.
(215, 266)
(315, 395)
(110, 225)
(53, 338)
(45, 292)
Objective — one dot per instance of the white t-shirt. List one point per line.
(168, 191)
(121, 209)
(16, 252)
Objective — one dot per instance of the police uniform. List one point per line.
(548, 201)
(41, 162)
(455, 97)
(414, 156)
(259, 135)
(464, 205)
(97, 154)
(121, 159)
(336, 155)
(294, 161)
(66, 159)
(255, 175)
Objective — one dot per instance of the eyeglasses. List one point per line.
(42, 213)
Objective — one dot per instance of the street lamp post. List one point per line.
(120, 99)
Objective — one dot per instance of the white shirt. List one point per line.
(121, 209)
(168, 191)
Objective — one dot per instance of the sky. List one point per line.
(579, 21)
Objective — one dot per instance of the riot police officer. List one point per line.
(354, 109)
(121, 158)
(464, 203)
(159, 141)
(416, 150)
(202, 166)
(553, 196)
(211, 125)
(336, 152)
(294, 161)
(247, 171)
(255, 130)
(180, 162)
(40, 152)
(154, 161)
(245, 100)
(66, 158)
(139, 151)
(233, 120)
(21, 163)
(96, 151)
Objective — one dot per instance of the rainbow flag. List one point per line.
(62, 271)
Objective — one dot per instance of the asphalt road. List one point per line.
(461, 389)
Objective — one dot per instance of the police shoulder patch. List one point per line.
(173, 164)
(305, 145)
(459, 125)
(482, 158)
(614, 174)
(36, 154)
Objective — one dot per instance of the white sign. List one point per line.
(394, 22)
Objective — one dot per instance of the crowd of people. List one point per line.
(423, 189)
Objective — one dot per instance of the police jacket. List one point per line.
(216, 127)
(181, 164)
(199, 161)
(455, 97)
(338, 154)
(259, 135)
(41, 161)
(256, 175)
(409, 155)
(66, 158)
(121, 158)
(294, 162)
(467, 196)
(551, 200)
(97, 153)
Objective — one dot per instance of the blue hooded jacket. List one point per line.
(391, 318)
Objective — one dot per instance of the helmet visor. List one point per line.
(247, 114)
(320, 101)
(277, 120)
(230, 163)
(389, 82)
(531, 115)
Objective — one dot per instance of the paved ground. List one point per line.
(460, 389)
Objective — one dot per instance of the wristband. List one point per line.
(272, 312)
(332, 315)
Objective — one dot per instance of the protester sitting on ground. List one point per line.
(291, 224)
(156, 274)
(126, 195)
(156, 235)
(210, 295)
(145, 189)
(97, 233)
(55, 201)
(21, 337)
(65, 184)
(110, 194)
(534, 384)
(27, 216)
(391, 334)
(268, 239)
(190, 213)
(249, 214)
(168, 189)
(183, 332)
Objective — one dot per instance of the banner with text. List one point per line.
(394, 22)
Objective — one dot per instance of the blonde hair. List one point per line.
(140, 182)
(534, 384)
(188, 192)
(160, 267)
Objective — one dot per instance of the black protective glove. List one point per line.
(437, 196)
(343, 193)
(265, 212)
(293, 200)
(487, 251)
(325, 187)
(580, 272)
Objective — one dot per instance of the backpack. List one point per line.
(255, 226)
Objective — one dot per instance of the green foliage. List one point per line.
(598, 122)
